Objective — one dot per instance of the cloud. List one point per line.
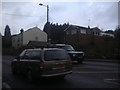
(103, 14)
(26, 15)
(21, 15)
(106, 16)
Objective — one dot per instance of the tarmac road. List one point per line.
(90, 74)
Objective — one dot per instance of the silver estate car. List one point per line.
(46, 62)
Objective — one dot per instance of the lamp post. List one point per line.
(47, 10)
(49, 39)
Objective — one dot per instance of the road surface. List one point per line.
(90, 74)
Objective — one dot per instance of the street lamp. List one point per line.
(49, 40)
(47, 10)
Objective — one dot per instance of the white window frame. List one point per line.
(83, 31)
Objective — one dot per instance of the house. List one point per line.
(32, 34)
(83, 35)
(75, 34)
(73, 29)
(96, 31)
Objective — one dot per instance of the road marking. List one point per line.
(112, 81)
(97, 72)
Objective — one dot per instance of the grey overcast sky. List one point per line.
(30, 14)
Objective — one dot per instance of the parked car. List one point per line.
(46, 62)
(75, 55)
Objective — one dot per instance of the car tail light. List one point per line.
(41, 67)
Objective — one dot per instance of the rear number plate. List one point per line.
(58, 67)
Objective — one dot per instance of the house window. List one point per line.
(74, 31)
(83, 31)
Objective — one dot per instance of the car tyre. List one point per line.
(30, 76)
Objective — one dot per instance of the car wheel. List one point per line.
(30, 76)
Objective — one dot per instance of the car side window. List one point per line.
(22, 54)
(27, 54)
(31, 54)
(36, 55)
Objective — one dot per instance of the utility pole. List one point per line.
(49, 35)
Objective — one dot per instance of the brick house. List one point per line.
(79, 35)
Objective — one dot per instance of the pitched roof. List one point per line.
(80, 27)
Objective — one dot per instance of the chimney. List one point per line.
(21, 31)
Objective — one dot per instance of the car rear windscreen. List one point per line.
(55, 55)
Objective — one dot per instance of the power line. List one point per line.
(19, 15)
